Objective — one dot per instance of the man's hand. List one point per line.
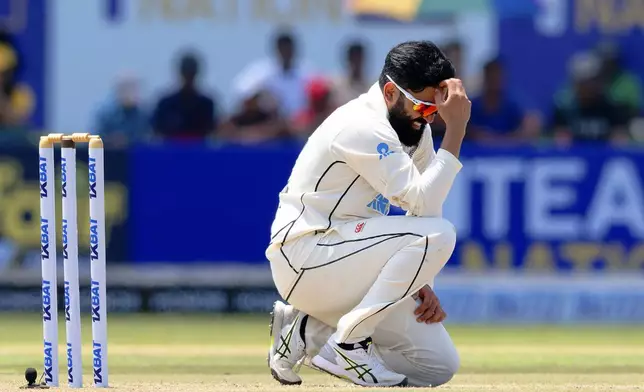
(455, 111)
(430, 310)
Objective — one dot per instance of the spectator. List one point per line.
(454, 51)
(16, 99)
(122, 119)
(257, 119)
(186, 113)
(354, 82)
(496, 115)
(585, 113)
(624, 88)
(283, 76)
(320, 106)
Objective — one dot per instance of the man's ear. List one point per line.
(391, 93)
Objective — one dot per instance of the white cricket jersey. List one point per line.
(354, 166)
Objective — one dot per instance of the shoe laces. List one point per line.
(376, 362)
(370, 354)
(297, 345)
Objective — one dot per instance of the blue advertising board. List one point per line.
(26, 23)
(550, 209)
(193, 203)
(526, 208)
(19, 204)
(530, 208)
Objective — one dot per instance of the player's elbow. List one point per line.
(425, 202)
(425, 208)
(429, 192)
(441, 239)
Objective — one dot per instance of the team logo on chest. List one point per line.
(380, 204)
(383, 150)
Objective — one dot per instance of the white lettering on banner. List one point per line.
(551, 20)
(542, 197)
(551, 198)
(608, 16)
(497, 174)
(618, 201)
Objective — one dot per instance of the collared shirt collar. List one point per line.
(376, 101)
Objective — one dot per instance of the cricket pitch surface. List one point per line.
(160, 353)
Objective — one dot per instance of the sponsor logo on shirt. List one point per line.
(383, 150)
(359, 227)
(380, 204)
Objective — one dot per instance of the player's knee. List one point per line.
(442, 240)
(449, 366)
(439, 370)
(444, 233)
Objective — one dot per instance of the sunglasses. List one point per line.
(425, 109)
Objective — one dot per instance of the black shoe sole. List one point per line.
(284, 382)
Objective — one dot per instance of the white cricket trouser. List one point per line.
(360, 278)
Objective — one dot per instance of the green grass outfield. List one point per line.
(224, 353)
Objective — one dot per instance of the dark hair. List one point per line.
(284, 38)
(416, 65)
(493, 65)
(189, 64)
(355, 48)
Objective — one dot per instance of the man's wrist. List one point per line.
(458, 129)
(453, 140)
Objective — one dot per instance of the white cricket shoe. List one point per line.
(358, 363)
(287, 346)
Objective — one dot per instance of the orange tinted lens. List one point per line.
(425, 110)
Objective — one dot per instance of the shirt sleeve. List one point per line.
(375, 153)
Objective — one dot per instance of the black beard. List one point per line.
(404, 125)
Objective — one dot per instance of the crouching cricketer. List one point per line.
(359, 282)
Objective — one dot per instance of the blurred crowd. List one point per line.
(281, 97)
(16, 99)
